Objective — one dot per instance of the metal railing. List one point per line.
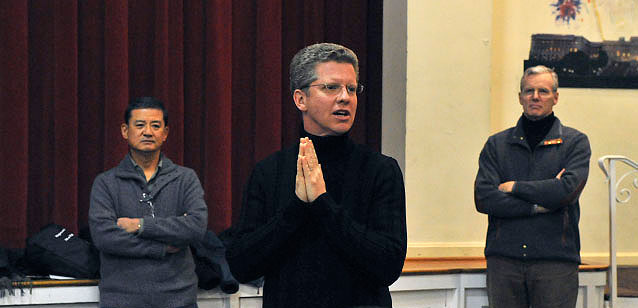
(607, 164)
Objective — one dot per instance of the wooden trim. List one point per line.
(416, 265)
(451, 265)
(55, 283)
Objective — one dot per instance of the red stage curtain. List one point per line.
(68, 69)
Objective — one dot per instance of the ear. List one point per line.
(124, 129)
(165, 134)
(300, 100)
(556, 98)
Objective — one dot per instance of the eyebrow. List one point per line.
(152, 122)
(539, 88)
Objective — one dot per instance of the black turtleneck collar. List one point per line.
(330, 148)
(535, 131)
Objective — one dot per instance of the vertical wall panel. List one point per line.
(116, 79)
(244, 89)
(91, 108)
(194, 90)
(14, 121)
(40, 201)
(175, 81)
(292, 41)
(218, 132)
(65, 115)
(268, 87)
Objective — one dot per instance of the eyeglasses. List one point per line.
(542, 92)
(336, 88)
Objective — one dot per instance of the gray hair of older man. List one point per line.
(302, 66)
(541, 69)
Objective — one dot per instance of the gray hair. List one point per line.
(302, 66)
(540, 69)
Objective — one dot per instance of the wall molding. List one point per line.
(475, 249)
(622, 258)
(445, 249)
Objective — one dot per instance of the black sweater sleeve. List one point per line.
(487, 198)
(554, 193)
(377, 244)
(264, 229)
(367, 228)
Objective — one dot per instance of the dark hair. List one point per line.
(302, 66)
(144, 103)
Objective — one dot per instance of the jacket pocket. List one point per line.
(565, 226)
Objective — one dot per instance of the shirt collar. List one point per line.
(135, 165)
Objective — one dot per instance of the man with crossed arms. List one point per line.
(528, 183)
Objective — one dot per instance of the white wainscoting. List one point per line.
(460, 290)
(468, 290)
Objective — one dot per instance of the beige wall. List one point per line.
(447, 121)
(464, 61)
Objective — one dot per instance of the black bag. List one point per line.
(5, 266)
(211, 266)
(55, 250)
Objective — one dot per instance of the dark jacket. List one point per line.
(136, 270)
(514, 230)
(211, 266)
(342, 250)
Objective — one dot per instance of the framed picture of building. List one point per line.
(580, 63)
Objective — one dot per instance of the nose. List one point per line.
(536, 95)
(344, 96)
(147, 130)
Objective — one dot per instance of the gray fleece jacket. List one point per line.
(514, 229)
(136, 270)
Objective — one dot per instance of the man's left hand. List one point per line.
(506, 187)
(130, 225)
(300, 181)
(313, 176)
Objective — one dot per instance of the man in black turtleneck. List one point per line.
(323, 221)
(528, 183)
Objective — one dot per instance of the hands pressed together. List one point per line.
(309, 182)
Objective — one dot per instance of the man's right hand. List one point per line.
(313, 175)
(539, 209)
(171, 249)
(560, 174)
(300, 181)
(130, 225)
